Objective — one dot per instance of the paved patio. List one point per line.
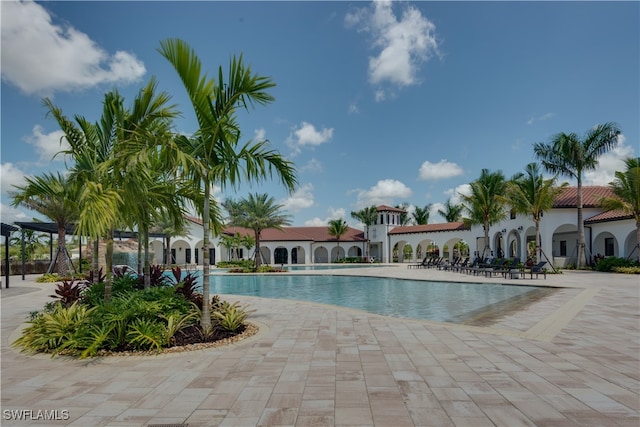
(571, 359)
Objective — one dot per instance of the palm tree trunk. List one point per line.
(167, 252)
(62, 260)
(95, 258)
(147, 263)
(108, 257)
(258, 255)
(581, 246)
(538, 254)
(205, 321)
(487, 247)
(140, 260)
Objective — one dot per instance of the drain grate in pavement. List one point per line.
(167, 425)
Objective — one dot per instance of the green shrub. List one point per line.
(49, 278)
(241, 263)
(627, 270)
(608, 264)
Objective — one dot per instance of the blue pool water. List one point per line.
(437, 301)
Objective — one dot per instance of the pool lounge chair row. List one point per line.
(507, 268)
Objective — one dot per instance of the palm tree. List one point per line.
(530, 194)
(404, 216)
(337, 228)
(215, 142)
(485, 204)
(626, 187)
(451, 211)
(568, 155)
(368, 217)
(55, 197)
(257, 212)
(113, 164)
(421, 215)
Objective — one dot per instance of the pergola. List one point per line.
(6, 232)
(51, 228)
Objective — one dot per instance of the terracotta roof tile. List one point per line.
(385, 208)
(608, 216)
(446, 226)
(314, 234)
(590, 196)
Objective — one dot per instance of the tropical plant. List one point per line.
(55, 197)
(337, 228)
(55, 332)
(215, 142)
(484, 204)
(230, 317)
(451, 212)
(532, 195)
(571, 156)
(421, 215)
(626, 188)
(68, 292)
(366, 216)
(257, 212)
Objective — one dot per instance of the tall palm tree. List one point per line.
(530, 194)
(451, 211)
(215, 142)
(421, 215)
(55, 197)
(568, 155)
(257, 212)
(626, 187)
(368, 217)
(337, 228)
(485, 205)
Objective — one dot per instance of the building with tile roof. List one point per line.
(606, 233)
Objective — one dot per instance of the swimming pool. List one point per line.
(437, 301)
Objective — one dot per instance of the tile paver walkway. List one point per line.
(572, 359)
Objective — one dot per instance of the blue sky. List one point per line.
(376, 103)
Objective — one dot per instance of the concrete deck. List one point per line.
(571, 359)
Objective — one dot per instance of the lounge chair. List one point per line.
(495, 267)
(461, 265)
(511, 269)
(538, 269)
(422, 264)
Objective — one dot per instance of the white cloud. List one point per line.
(259, 135)
(306, 135)
(47, 144)
(454, 193)
(332, 213)
(403, 42)
(435, 217)
(40, 57)
(609, 163)
(302, 198)
(540, 118)
(385, 192)
(441, 170)
(313, 165)
(10, 176)
(353, 108)
(11, 214)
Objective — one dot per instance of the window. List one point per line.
(513, 214)
(608, 246)
(563, 248)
